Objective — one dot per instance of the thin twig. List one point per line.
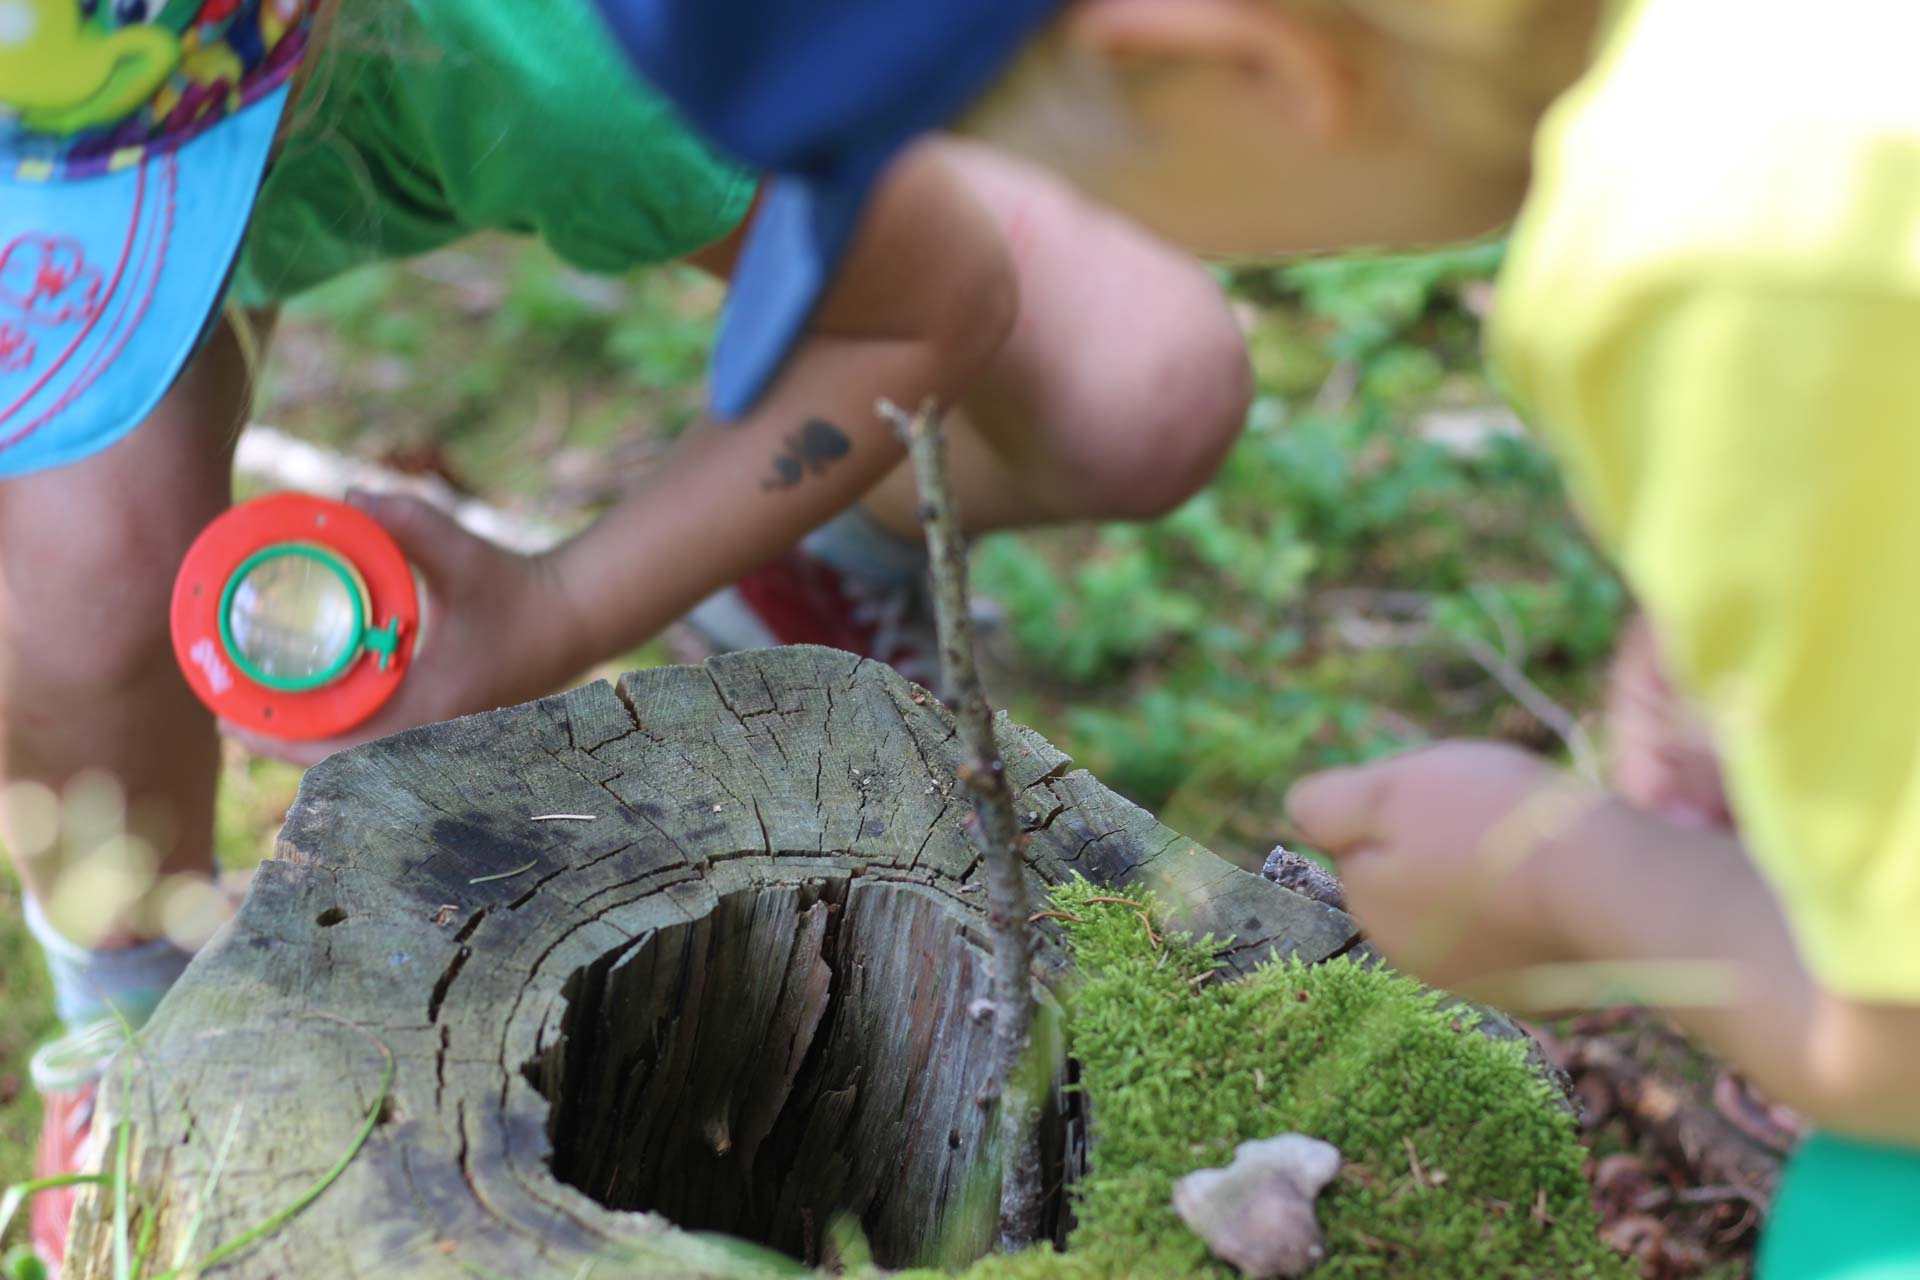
(563, 817)
(1152, 937)
(1586, 761)
(1337, 392)
(1506, 671)
(1008, 905)
(1410, 614)
(1719, 1195)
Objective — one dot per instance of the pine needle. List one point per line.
(20, 1192)
(506, 875)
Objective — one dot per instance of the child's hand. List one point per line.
(1662, 757)
(499, 631)
(1438, 849)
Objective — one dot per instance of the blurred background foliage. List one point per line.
(1383, 558)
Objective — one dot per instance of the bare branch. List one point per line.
(1002, 842)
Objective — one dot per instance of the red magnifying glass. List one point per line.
(295, 617)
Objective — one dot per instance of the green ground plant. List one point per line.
(26, 1016)
(1322, 601)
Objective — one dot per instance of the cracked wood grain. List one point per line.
(831, 870)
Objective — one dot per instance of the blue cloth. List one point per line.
(822, 95)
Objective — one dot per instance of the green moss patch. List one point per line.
(1458, 1161)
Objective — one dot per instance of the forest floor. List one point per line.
(1385, 559)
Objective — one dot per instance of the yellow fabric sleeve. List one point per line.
(1754, 452)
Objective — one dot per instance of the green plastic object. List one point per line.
(1846, 1210)
(280, 581)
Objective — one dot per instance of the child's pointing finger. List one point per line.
(1337, 810)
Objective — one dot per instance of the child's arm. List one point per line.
(919, 309)
(1745, 432)
(1480, 867)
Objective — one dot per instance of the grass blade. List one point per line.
(312, 1193)
(185, 1251)
(17, 1194)
(143, 1252)
(122, 1154)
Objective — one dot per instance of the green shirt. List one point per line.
(428, 120)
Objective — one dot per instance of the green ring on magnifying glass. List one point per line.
(348, 579)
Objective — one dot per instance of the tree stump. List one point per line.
(734, 1000)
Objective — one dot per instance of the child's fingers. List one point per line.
(304, 754)
(1337, 810)
(428, 536)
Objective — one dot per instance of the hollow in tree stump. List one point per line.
(734, 999)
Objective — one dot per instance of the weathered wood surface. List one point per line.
(746, 980)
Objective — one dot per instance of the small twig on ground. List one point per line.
(1402, 619)
(1002, 842)
(1336, 393)
(1506, 671)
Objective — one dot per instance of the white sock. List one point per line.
(856, 545)
(90, 985)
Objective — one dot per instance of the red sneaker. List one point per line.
(67, 1074)
(801, 599)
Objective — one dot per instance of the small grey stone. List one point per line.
(1257, 1213)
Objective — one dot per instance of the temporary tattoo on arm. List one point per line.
(812, 450)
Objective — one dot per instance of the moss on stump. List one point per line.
(1460, 1162)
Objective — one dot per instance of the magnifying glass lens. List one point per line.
(292, 618)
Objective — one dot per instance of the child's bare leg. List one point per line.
(1122, 387)
(87, 676)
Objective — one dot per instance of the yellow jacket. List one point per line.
(1713, 310)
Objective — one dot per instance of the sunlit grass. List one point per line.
(26, 1017)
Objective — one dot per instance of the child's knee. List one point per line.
(1174, 409)
(1204, 395)
(982, 306)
